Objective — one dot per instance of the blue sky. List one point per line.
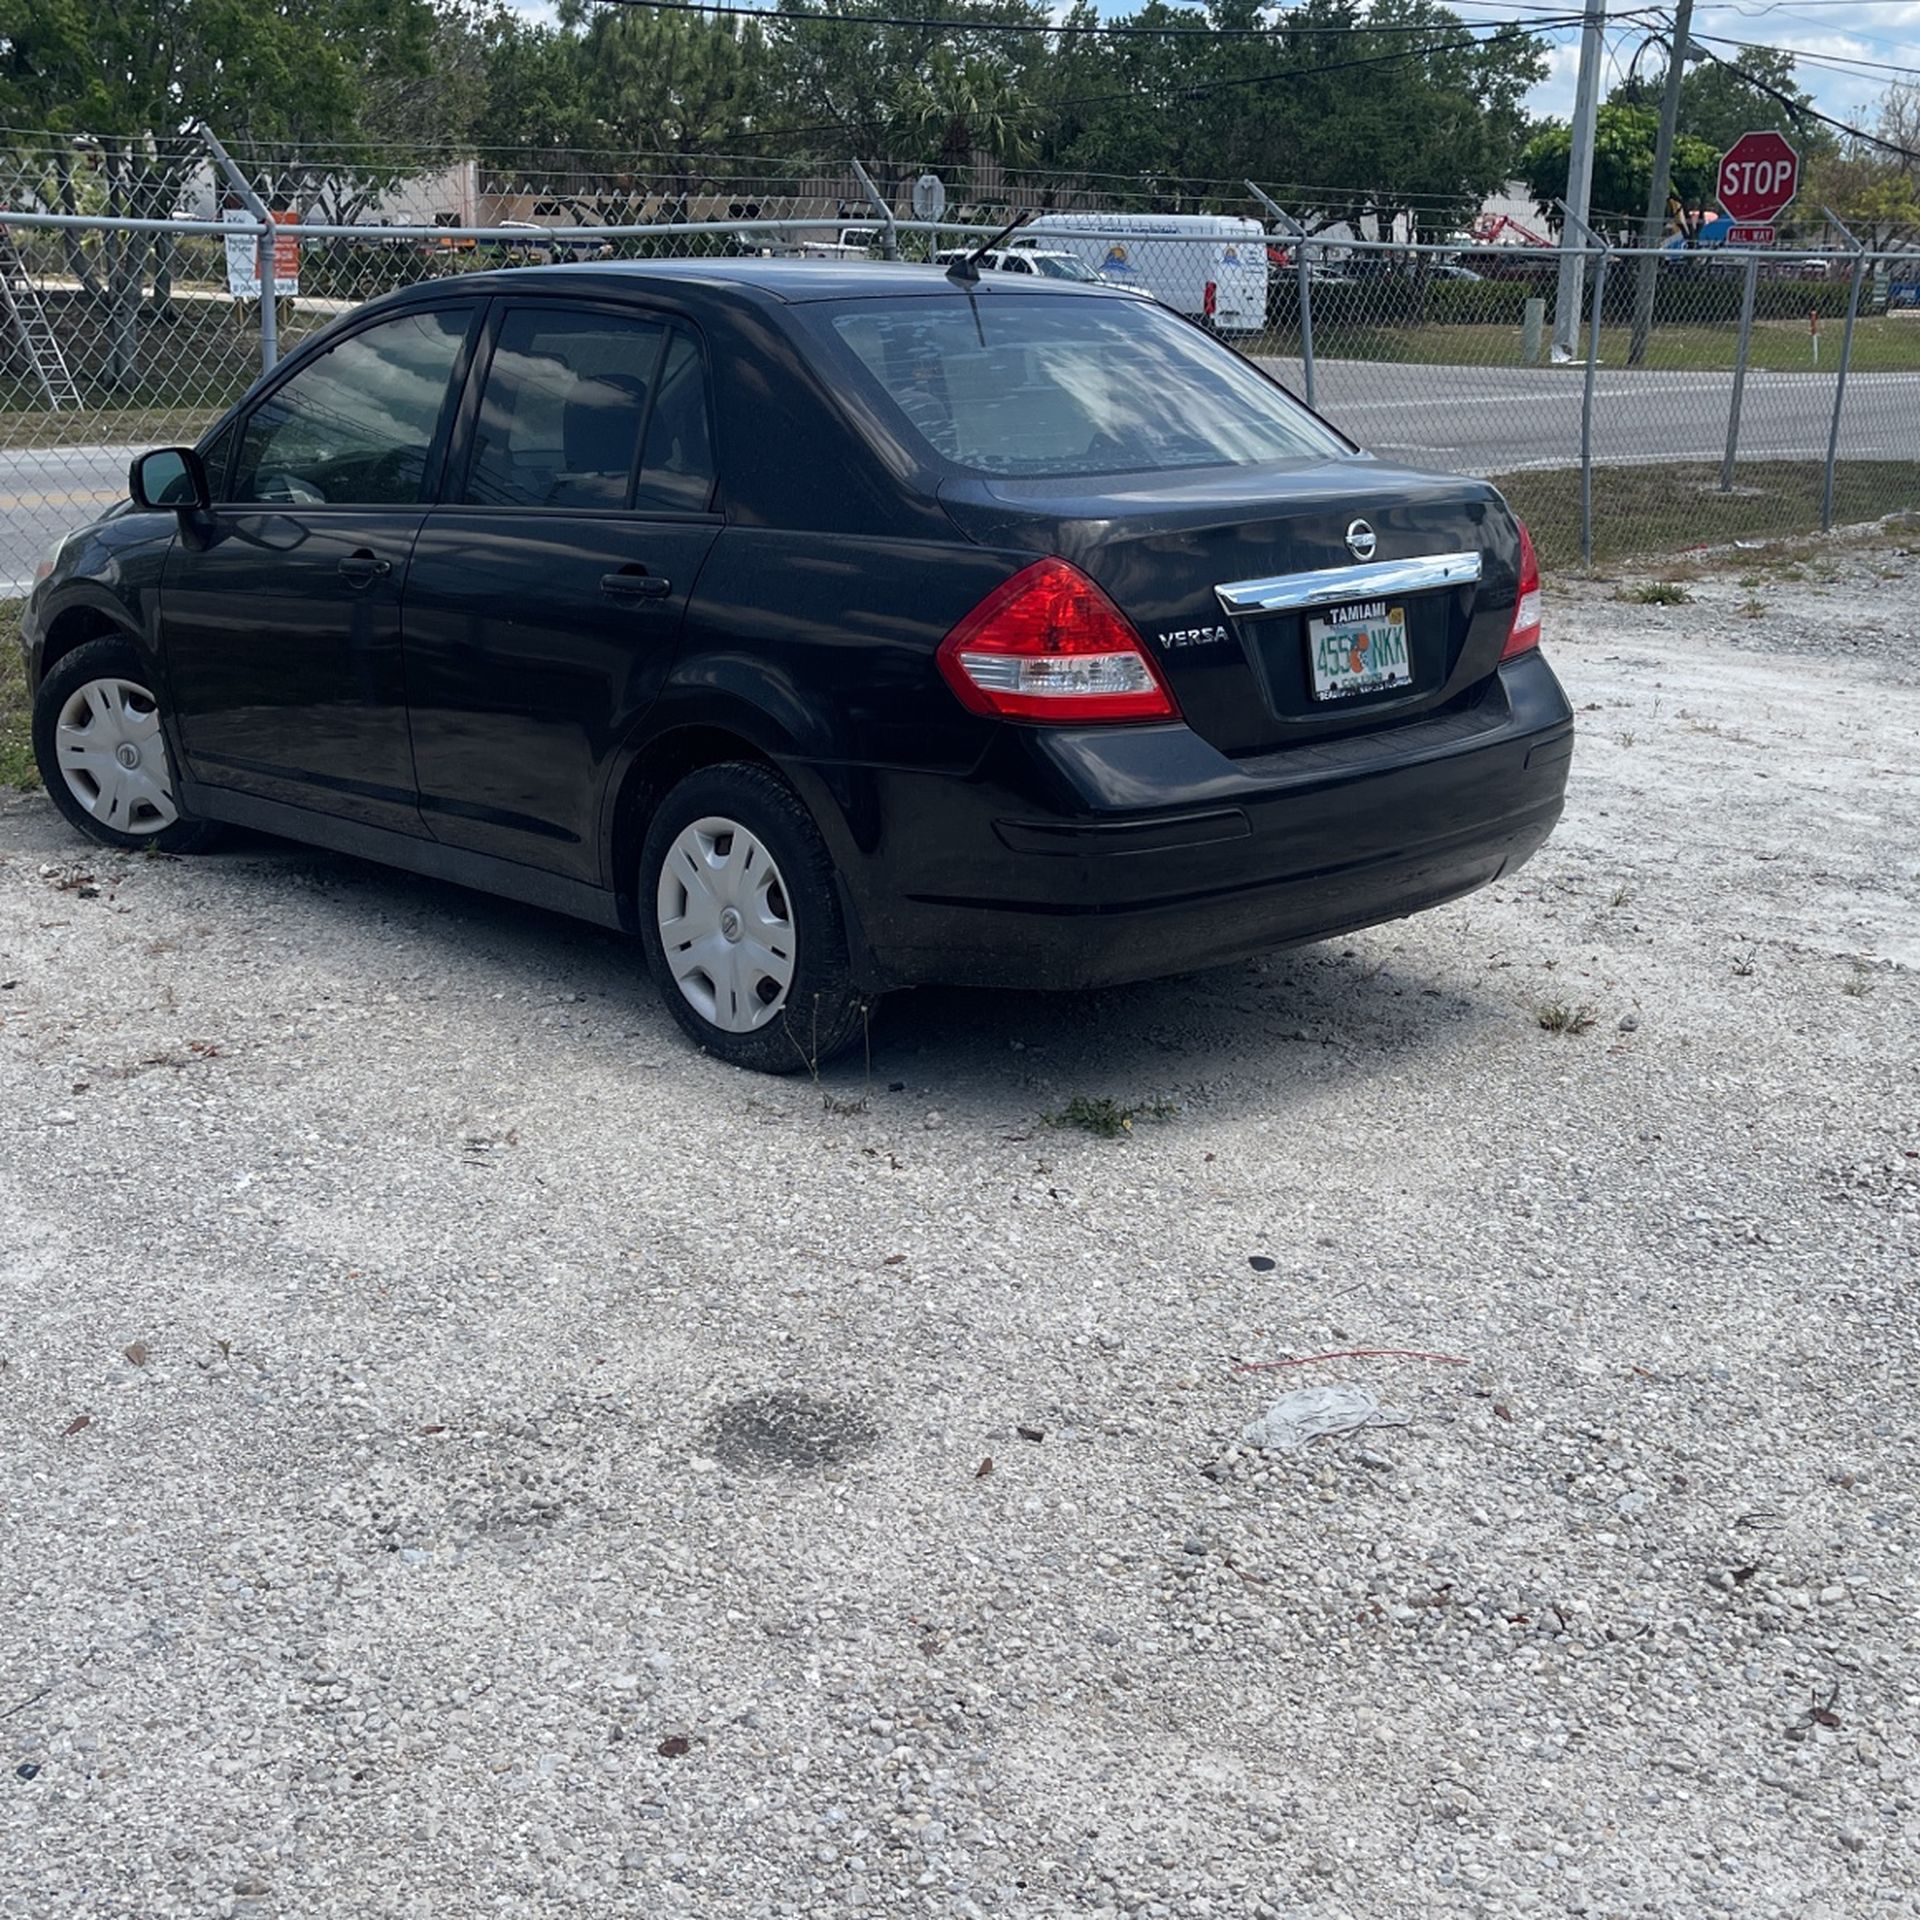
(1888, 33)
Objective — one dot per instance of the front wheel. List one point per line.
(742, 922)
(102, 753)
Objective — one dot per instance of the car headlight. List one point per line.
(51, 560)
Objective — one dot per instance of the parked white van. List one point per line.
(1211, 266)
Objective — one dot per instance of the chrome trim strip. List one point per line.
(1328, 586)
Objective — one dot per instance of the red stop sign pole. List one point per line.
(1759, 175)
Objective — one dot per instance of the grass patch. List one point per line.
(1880, 345)
(1107, 1119)
(36, 429)
(1557, 1017)
(16, 742)
(1657, 593)
(1656, 509)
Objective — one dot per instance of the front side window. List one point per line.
(356, 427)
(1069, 386)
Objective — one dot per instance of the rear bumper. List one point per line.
(1087, 859)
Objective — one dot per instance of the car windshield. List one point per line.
(1070, 385)
(1063, 266)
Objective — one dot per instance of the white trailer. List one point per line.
(1211, 266)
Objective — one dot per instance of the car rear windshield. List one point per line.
(1071, 386)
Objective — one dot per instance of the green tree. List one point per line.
(958, 106)
(1718, 105)
(535, 86)
(1397, 110)
(1875, 194)
(1622, 165)
(679, 84)
(128, 73)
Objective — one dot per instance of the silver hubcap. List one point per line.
(726, 925)
(107, 742)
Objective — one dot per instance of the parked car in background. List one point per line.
(1212, 267)
(1030, 260)
(546, 244)
(833, 628)
(851, 243)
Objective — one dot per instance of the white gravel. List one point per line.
(442, 1331)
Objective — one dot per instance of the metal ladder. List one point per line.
(28, 320)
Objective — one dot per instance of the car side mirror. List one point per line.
(168, 477)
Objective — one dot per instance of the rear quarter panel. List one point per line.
(828, 644)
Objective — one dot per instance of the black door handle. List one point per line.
(638, 582)
(363, 566)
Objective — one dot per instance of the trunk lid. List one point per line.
(1164, 545)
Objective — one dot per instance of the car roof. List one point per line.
(790, 281)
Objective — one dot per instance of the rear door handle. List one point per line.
(363, 566)
(637, 582)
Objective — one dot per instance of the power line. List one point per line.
(1060, 30)
(1839, 62)
(1801, 111)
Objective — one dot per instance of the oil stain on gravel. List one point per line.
(782, 1427)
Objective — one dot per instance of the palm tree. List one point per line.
(966, 104)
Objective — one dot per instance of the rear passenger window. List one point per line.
(565, 400)
(677, 474)
(569, 396)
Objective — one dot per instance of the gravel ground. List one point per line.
(467, 1454)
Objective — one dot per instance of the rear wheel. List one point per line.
(102, 753)
(742, 922)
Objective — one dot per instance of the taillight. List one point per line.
(1210, 300)
(1524, 635)
(1049, 645)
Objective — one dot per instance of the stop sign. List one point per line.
(1759, 174)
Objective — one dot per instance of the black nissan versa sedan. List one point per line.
(834, 628)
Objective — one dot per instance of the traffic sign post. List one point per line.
(1758, 177)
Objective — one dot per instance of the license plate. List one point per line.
(1358, 649)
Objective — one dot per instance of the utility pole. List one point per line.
(1653, 229)
(1586, 104)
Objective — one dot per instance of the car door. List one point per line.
(548, 586)
(280, 610)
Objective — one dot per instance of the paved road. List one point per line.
(44, 491)
(1504, 419)
(1477, 419)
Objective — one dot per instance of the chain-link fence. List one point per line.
(1625, 402)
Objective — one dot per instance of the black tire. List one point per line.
(104, 661)
(819, 1014)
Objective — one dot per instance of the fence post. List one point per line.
(1306, 316)
(1840, 377)
(1303, 280)
(1586, 409)
(1588, 239)
(889, 239)
(1740, 371)
(264, 260)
